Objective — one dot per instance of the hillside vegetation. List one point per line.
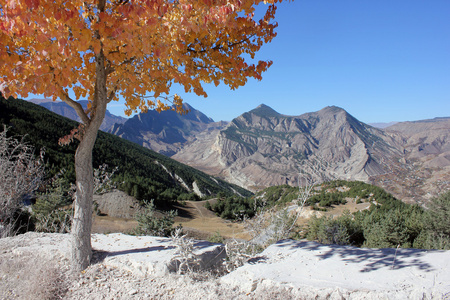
(142, 173)
(324, 196)
(387, 223)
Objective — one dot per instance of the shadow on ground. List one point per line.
(372, 259)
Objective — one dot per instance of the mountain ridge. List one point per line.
(164, 132)
(63, 109)
(295, 136)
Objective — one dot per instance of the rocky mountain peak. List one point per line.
(261, 148)
(196, 115)
(332, 110)
(264, 111)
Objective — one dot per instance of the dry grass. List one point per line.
(25, 276)
(106, 224)
(194, 215)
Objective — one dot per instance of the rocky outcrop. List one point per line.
(117, 204)
(143, 267)
(316, 271)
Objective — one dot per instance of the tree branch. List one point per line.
(77, 106)
(220, 47)
(112, 93)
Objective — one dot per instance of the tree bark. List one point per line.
(82, 220)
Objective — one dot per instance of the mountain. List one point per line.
(382, 125)
(262, 148)
(142, 173)
(166, 132)
(426, 149)
(62, 109)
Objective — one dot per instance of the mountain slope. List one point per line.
(62, 109)
(382, 125)
(142, 172)
(426, 140)
(261, 148)
(426, 147)
(164, 132)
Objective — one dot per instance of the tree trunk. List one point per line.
(82, 219)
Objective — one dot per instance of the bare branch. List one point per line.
(77, 106)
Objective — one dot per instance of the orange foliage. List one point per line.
(50, 46)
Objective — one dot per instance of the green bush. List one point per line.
(340, 231)
(208, 205)
(149, 224)
(387, 232)
(52, 211)
(436, 220)
(377, 227)
(234, 207)
(216, 238)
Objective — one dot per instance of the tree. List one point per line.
(436, 220)
(135, 49)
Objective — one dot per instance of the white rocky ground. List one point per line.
(35, 266)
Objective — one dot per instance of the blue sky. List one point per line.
(379, 60)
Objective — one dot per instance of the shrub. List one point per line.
(389, 228)
(216, 238)
(149, 224)
(208, 205)
(20, 175)
(234, 207)
(50, 212)
(375, 228)
(436, 222)
(328, 231)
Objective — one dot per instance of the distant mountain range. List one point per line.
(165, 132)
(62, 109)
(262, 148)
(382, 125)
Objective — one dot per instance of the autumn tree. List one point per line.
(135, 49)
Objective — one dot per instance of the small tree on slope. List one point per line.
(137, 49)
